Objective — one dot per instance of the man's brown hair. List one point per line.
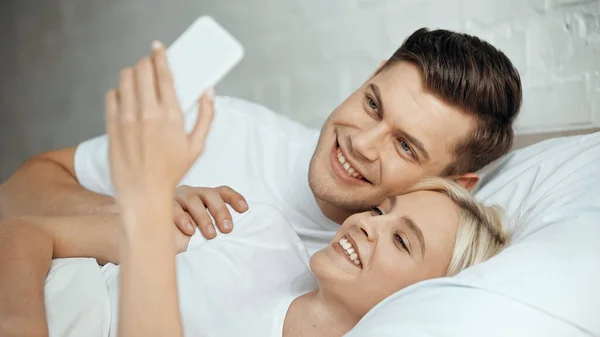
(477, 78)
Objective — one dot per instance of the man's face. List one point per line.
(383, 138)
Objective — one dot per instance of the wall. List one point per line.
(57, 58)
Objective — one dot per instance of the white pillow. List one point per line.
(546, 283)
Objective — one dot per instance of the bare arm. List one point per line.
(47, 185)
(24, 268)
(27, 246)
(148, 304)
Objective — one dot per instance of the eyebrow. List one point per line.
(411, 139)
(416, 230)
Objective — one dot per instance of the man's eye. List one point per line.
(376, 210)
(372, 104)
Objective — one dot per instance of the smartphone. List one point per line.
(200, 58)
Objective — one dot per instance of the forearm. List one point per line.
(144, 251)
(46, 185)
(94, 236)
(25, 257)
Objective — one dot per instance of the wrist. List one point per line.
(146, 210)
(147, 201)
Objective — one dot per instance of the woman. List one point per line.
(259, 280)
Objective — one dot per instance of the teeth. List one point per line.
(349, 250)
(351, 171)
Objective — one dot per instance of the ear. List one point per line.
(467, 180)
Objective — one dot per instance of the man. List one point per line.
(442, 105)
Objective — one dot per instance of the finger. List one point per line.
(233, 198)
(205, 116)
(144, 83)
(182, 220)
(181, 241)
(111, 110)
(195, 207)
(164, 78)
(218, 210)
(127, 116)
(127, 96)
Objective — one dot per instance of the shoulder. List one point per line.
(249, 114)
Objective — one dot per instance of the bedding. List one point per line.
(546, 282)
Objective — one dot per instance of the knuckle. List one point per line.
(190, 199)
(165, 74)
(221, 208)
(128, 116)
(176, 204)
(181, 218)
(224, 189)
(143, 63)
(205, 220)
(174, 114)
(181, 190)
(223, 215)
(111, 96)
(125, 74)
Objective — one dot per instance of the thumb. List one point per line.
(206, 112)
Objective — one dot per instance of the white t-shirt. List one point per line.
(257, 152)
(238, 284)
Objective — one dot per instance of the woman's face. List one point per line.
(407, 239)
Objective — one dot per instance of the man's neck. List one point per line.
(315, 315)
(334, 213)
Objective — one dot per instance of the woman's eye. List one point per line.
(399, 240)
(377, 210)
(406, 148)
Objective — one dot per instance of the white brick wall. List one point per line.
(311, 54)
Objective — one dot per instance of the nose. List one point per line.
(367, 143)
(367, 227)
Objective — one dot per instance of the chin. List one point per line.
(323, 268)
(343, 198)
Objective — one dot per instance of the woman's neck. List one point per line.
(316, 315)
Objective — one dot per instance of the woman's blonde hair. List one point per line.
(480, 233)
